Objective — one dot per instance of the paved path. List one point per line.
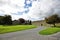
(57, 35)
(31, 34)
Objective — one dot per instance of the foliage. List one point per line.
(15, 22)
(5, 20)
(30, 22)
(53, 19)
(21, 21)
(1, 20)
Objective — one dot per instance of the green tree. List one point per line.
(7, 20)
(53, 19)
(1, 20)
(30, 22)
(21, 21)
(15, 22)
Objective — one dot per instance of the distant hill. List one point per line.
(38, 23)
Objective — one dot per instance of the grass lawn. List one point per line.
(7, 29)
(49, 31)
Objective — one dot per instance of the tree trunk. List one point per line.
(54, 25)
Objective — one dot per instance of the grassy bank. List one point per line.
(49, 31)
(7, 29)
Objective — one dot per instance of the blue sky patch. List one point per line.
(27, 5)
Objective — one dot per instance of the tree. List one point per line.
(1, 20)
(21, 21)
(53, 19)
(15, 22)
(7, 20)
(30, 22)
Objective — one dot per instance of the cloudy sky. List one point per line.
(29, 9)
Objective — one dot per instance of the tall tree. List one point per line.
(7, 20)
(53, 19)
(30, 22)
(1, 20)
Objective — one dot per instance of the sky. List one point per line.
(29, 9)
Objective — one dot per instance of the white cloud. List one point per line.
(48, 7)
(33, 10)
(39, 9)
(44, 8)
(12, 6)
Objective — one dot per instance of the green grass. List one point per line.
(49, 31)
(7, 29)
